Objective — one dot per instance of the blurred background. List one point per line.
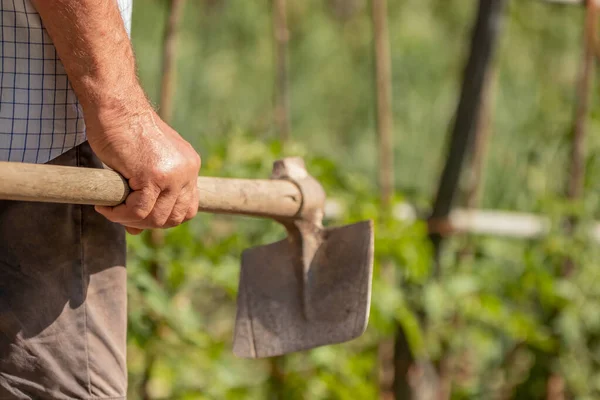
(401, 110)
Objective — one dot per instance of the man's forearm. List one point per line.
(122, 129)
(93, 45)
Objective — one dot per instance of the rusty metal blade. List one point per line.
(272, 318)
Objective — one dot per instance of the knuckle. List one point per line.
(140, 213)
(156, 220)
(174, 221)
(191, 157)
(142, 205)
(176, 218)
(197, 161)
(193, 211)
(160, 176)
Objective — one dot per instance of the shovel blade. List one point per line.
(272, 317)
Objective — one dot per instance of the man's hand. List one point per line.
(160, 166)
(122, 128)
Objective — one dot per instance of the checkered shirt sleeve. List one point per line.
(40, 116)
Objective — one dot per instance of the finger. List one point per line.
(193, 206)
(180, 209)
(137, 207)
(156, 217)
(133, 231)
(161, 212)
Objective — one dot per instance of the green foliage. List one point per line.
(503, 317)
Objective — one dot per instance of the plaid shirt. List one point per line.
(40, 116)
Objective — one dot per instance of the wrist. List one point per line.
(108, 109)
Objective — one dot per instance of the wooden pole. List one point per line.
(483, 44)
(481, 141)
(576, 176)
(383, 95)
(383, 84)
(274, 198)
(467, 120)
(169, 59)
(476, 180)
(156, 237)
(282, 97)
(555, 387)
(473, 194)
(276, 382)
(282, 122)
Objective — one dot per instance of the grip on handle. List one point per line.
(60, 184)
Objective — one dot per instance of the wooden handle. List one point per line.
(59, 184)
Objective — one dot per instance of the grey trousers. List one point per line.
(62, 299)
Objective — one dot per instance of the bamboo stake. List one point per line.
(481, 141)
(282, 97)
(383, 95)
(282, 122)
(576, 169)
(169, 59)
(575, 184)
(555, 386)
(383, 80)
(478, 158)
(155, 237)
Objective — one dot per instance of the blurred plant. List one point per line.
(491, 310)
(488, 314)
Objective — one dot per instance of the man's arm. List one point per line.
(122, 127)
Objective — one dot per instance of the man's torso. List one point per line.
(40, 116)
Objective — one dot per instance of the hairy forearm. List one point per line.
(124, 131)
(93, 45)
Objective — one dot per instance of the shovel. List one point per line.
(311, 289)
